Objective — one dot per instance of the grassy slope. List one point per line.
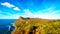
(36, 26)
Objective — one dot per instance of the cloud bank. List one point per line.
(50, 14)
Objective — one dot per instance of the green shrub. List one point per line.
(53, 28)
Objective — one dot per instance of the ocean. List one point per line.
(6, 26)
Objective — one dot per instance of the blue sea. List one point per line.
(6, 26)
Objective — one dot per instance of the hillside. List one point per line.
(36, 26)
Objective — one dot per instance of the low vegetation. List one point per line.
(36, 26)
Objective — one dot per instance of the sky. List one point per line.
(46, 9)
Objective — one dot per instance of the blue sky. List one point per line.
(13, 9)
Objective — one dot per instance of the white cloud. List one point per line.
(50, 14)
(16, 8)
(28, 12)
(7, 5)
(47, 16)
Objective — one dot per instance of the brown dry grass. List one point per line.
(36, 26)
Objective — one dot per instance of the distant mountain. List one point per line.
(36, 26)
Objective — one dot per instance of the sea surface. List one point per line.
(6, 26)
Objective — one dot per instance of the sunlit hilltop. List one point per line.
(36, 26)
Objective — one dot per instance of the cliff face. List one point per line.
(36, 26)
